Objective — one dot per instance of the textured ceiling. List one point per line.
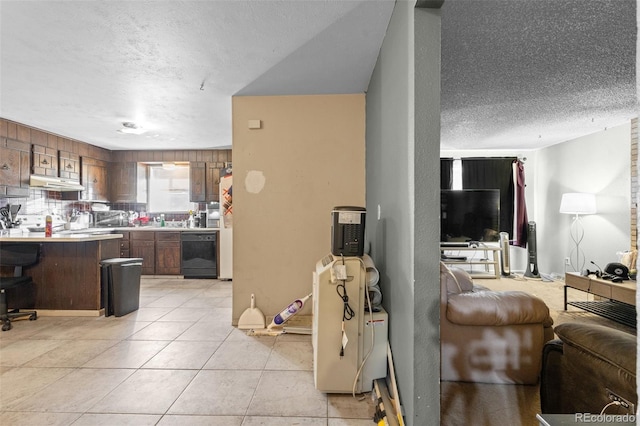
(515, 73)
(81, 68)
(533, 73)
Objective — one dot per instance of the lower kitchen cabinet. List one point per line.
(142, 244)
(167, 253)
(159, 250)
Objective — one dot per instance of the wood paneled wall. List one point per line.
(23, 133)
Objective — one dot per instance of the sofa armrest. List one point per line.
(497, 309)
(610, 345)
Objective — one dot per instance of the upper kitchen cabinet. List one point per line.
(44, 161)
(15, 159)
(124, 179)
(94, 179)
(197, 181)
(213, 181)
(69, 165)
(205, 181)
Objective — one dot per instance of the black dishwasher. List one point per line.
(199, 254)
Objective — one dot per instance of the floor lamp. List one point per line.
(577, 203)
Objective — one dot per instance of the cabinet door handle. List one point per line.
(5, 166)
(95, 180)
(45, 162)
(68, 166)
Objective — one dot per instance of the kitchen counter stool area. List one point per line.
(66, 278)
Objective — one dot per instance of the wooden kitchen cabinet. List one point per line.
(142, 244)
(44, 161)
(213, 181)
(68, 165)
(15, 162)
(124, 182)
(204, 181)
(197, 181)
(125, 244)
(94, 179)
(167, 253)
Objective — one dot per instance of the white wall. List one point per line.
(599, 163)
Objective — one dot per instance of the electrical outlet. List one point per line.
(623, 402)
(567, 261)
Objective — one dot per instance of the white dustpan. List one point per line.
(252, 317)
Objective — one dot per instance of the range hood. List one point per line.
(54, 184)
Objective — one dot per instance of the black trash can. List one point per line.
(120, 285)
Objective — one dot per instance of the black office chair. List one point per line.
(15, 255)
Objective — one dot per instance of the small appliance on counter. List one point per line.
(110, 218)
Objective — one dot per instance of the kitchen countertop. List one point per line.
(89, 234)
(38, 237)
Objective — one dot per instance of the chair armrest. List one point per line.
(497, 308)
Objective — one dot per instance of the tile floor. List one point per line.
(175, 361)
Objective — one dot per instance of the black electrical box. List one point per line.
(347, 231)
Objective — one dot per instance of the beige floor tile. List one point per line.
(20, 383)
(349, 422)
(284, 421)
(218, 316)
(76, 392)
(170, 301)
(189, 420)
(348, 407)
(218, 392)
(21, 352)
(72, 353)
(288, 393)
(185, 314)
(206, 331)
(183, 355)
(100, 328)
(161, 330)
(24, 328)
(117, 419)
(127, 354)
(147, 314)
(241, 355)
(21, 418)
(205, 302)
(146, 392)
(291, 356)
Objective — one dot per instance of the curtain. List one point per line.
(493, 173)
(520, 237)
(446, 173)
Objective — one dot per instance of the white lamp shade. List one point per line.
(578, 203)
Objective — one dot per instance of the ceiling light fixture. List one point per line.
(132, 128)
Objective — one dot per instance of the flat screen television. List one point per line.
(470, 215)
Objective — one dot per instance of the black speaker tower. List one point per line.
(532, 252)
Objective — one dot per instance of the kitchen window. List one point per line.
(168, 188)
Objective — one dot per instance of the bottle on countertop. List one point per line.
(162, 223)
(48, 226)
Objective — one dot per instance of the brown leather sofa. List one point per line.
(490, 336)
(579, 367)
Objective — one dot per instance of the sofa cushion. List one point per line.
(497, 308)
